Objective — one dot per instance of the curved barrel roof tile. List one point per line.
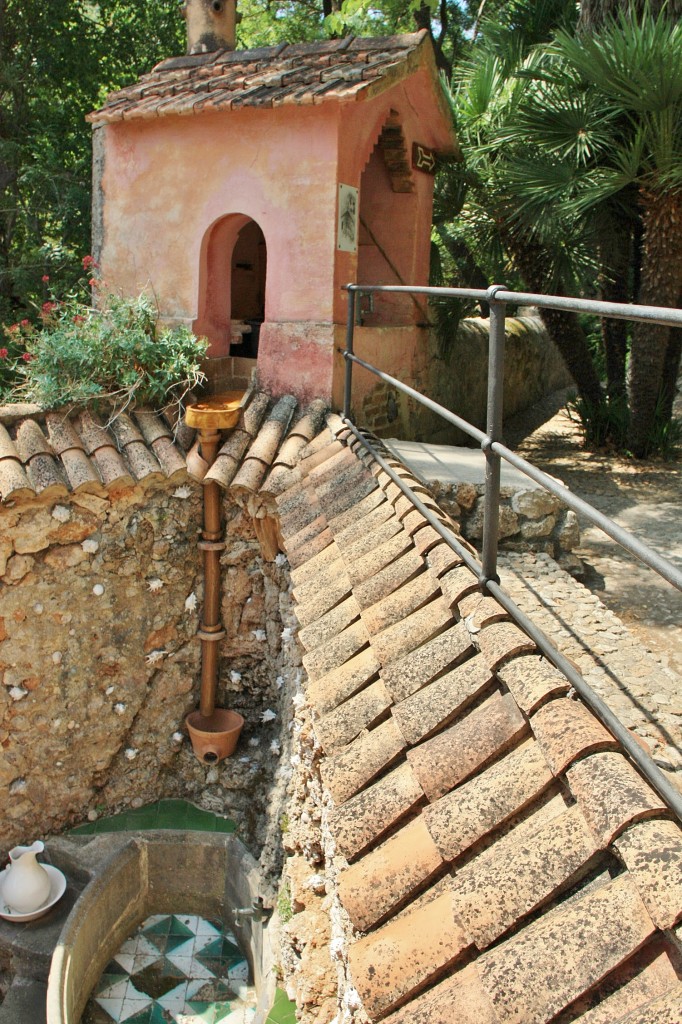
(501, 860)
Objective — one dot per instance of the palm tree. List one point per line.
(634, 68)
(487, 97)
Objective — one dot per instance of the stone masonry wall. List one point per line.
(458, 380)
(99, 664)
(530, 520)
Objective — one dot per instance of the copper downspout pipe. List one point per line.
(210, 631)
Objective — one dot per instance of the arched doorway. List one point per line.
(232, 284)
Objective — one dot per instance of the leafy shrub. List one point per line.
(79, 355)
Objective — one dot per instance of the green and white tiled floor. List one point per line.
(175, 969)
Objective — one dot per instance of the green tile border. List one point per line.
(283, 1010)
(163, 814)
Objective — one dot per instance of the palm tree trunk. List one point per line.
(653, 349)
(616, 253)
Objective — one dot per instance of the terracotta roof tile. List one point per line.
(111, 467)
(426, 538)
(321, 592)
(652, 852)
(30, 441)
(457, 583)
(91, 432)
(307, 532)
(318, 455)
(263, 450)
(665, 1010)
(360, 538)
(458, 998)
(320, 562)
(349, 771)
(377, 517)
(364, 819)
(8, 449)
(81, 473)
(589, 937)
(480, 610)
(384, 582)
(566, 730)
(409, 674)
(152, 426)
(646, 976)
(437, 704)
(142, 462)
(61, 433)
(452, 756)
(341, 683)
(326, 473)
(335, 652)
(497, 848)
(343, 520)
(125, 431)
(303, 552)
(502, 641)
(340, 726)
(345, 491)
(384, 879)
(397, 640)
(519, 873)
(399, 604)
(457, 821)
(46, 479)
(298, 507)
(441, 558)
(330, 624)
(172, 462)
(14, 483)
(532, 680)
(611, 794)
(401, 958)
(383, 555)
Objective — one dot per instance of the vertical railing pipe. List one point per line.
(491, 507)
(350, 330)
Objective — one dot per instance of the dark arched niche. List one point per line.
(232, 279)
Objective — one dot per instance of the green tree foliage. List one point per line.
(57, 62)
(573, 152)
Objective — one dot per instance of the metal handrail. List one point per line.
(490, 441)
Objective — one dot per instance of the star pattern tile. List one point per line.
(175, 969)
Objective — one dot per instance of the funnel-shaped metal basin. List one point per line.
(220, 412)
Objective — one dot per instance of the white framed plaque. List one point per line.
(347, 223)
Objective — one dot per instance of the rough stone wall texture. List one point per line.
(99, 606)
(530, 520)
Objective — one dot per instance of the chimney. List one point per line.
(211, 25)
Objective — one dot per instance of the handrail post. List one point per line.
(491, 507)
(350, 331)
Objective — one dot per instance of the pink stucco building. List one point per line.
(245, 188)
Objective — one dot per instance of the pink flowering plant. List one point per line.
(77, 354)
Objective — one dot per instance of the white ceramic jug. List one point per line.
(26, 883)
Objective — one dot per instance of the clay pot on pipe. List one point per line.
(213, 731)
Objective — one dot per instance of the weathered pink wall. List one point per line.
(167, 181)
